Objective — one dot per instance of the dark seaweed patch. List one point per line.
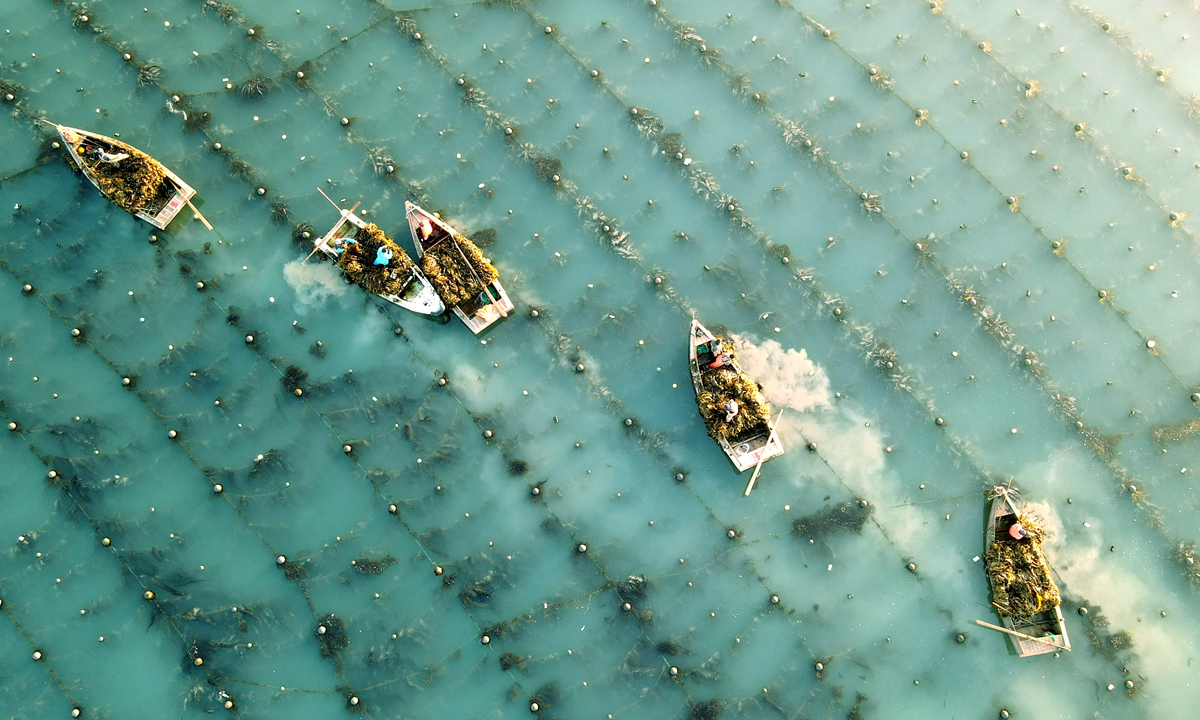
(671, 648)
(331, 636)
(477, 594)
(707, 710)
(847, 517)
(293, 378)
(509, 660)
(194, 120)
(633, 589)
(369, 566)
(485, 237)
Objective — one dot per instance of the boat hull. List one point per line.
(487, 314)
(71, 138)
(1049, 624)
(420, 298)
(746, 454)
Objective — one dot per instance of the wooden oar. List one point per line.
(339, 207)
(1022, 635)
(199, 217)
(762, 456)
(331, 202)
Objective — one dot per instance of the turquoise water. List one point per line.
(943, 235)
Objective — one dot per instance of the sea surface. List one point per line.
(952, 240)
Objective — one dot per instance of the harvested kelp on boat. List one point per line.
(1023, 590)
(374, 262)
(463, 277)
(131, 179)
(732, 405)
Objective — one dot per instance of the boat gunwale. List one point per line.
(474, 322)
(165, 214)
(743, 461)
(1052, 617)
(323, 245)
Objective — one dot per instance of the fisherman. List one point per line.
(383, 255)
(1018, 532)
(98, 153)
(425, 227)
(110, 158)
(731, 410)
(722, 355)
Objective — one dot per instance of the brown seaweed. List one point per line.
(458, 269)
(137, 183)
(358, 263)
(1020, 574)
(725, 384)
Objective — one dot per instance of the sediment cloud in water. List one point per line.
(314, 282)
(788, 377)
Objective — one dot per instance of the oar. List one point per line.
(339, 207)
(331, 202)
(762, 456)
(199, 217)
(1022, 635)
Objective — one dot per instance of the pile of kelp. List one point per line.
(1020, 574)
(722, 385)
(136, 183)
(358, 262)
(458, 269)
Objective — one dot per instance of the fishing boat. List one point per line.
(731, 403)
(466, 280)
(1019, 577)
(373, 261)
(131, 179)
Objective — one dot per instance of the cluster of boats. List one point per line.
(451, 272)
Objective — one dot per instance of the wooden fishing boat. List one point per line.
(751, 442)
(1044, 632)
(131, 179)
(463, 277)
(399, 281)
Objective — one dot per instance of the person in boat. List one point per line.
(383, 256)
(731, 410)
(721, 355)
(425, 227)
(110, 158)
(1017, 532)
(98, 153)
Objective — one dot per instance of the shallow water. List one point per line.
(942, 234)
